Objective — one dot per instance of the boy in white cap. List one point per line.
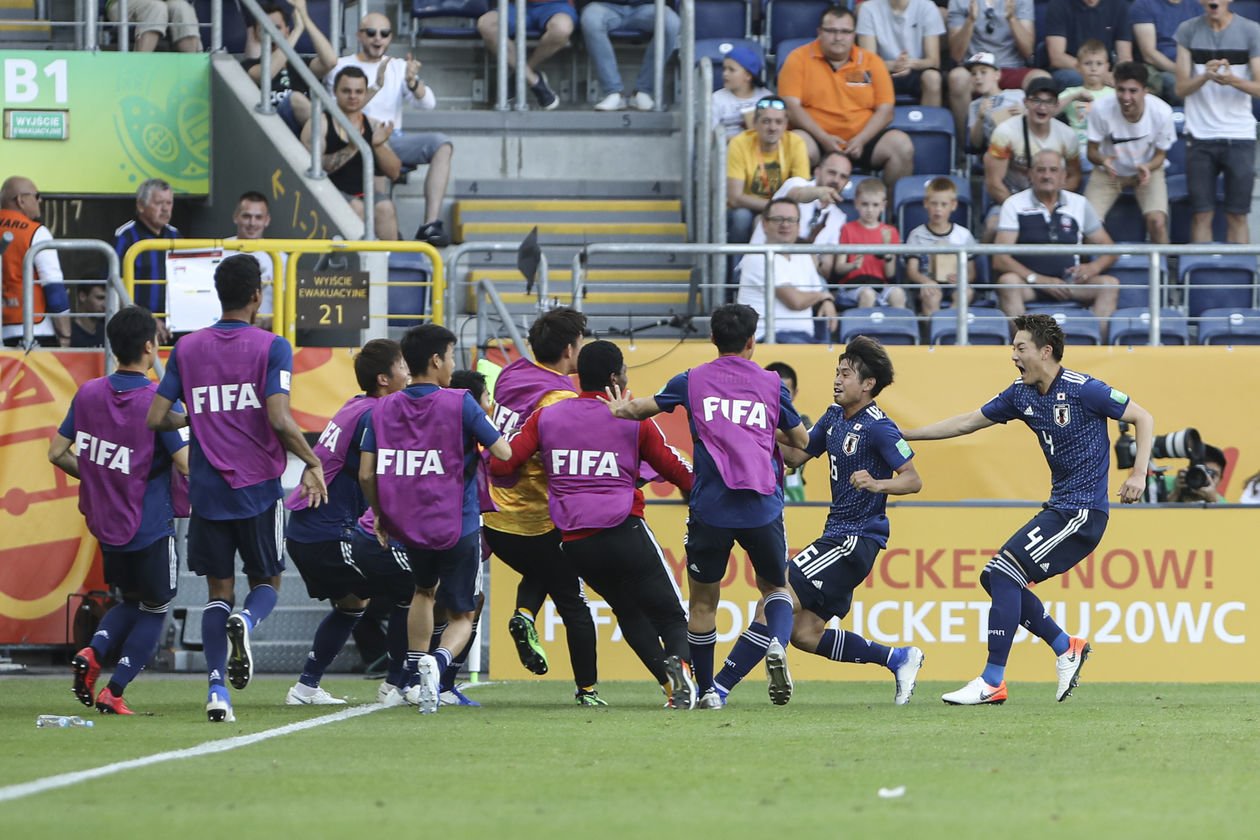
(992, 105)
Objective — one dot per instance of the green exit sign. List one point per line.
(36, 125)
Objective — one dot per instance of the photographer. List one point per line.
(1176, 488)
(1196, 483)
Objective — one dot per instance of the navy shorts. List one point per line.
(214, 543)
(455, 568)
(1205, 159)
(825, 573)
(327, 568)
(150, 572)
(386, 571)
(709, 550)
(1054, 541)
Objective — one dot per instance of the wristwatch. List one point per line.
(1031, 278)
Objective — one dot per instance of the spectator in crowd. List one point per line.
(393, 81)
(936, 275)
(840, 96)
(20, 213)
(993, 105)
(154, 202)
(1070, 23)
(1076, 102)
(341, 156)
(1251, 491)
(869, 279)
(289, 92)
(86, 330)
(735, 105)
(1015, 142)
(251, 217)
(555, 19)
(603, 16)
(1002, 29)
(819, 204)
(1155, 23)
(1218, 74)
(154, 18)
(757, 163)
(1049, 214)
(799, 293)
(906, 35)
(1177, 490)
(1129, 135)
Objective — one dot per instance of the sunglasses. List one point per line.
(776, 104)
(990, 20)
(372, 33)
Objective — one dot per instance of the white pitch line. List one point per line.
(18, 791)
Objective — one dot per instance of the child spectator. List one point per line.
(736, 103)
(992, 105)
(869, 279)
(1075, 102)
(936, 275)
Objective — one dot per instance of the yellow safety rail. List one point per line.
(284, 295)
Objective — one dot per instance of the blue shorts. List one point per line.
(327, 568)
(387, 572)
(825, 573)
(1054, 541)
(150, 572)
(455, 568)
(213, 544)
(709, 550)
(537, 15)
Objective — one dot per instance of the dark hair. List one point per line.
(349, 72)
(268, 9)
(768, 209)
(128, 330)
(598, 361)
(784, 370)
(376, 357)
(472, 381)
(555, 330)
(828, 154)
(236, 279)
(837, 12)
(1132, 71)
(1044, 330)
(1213, 454)
(253, 195)
(86, 288)
(422, 343)
(731, 325)
(870, 360)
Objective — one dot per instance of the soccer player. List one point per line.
(521, 533)
(734, 409)
(869, 461)
(318, 538)
(592, 462)
(125, 495)
(1068, 412)
(235, 378)
(419, 453)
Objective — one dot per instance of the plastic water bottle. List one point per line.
(63, 721)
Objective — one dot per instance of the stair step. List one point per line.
(566, 212)
(597, 275)
(571, 232)
(575, 188)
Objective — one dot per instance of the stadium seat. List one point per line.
(1124, 222)
(1133, 272)
(1176, 156)
(1212, 281)
(932, 131)
(725, 19)
(1133, 326)
(1179, 211)
(907, 202)
(236, 22)
(447, 18)
(408, 267)
(1229, 325)
(784, 19)
(1080, 326)
(890, 324)
(715, 49)
(984, 327)
(1249, 9)
(783, 49)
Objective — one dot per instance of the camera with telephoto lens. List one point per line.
(1183, 444)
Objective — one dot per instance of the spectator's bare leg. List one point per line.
(866, 298)
(811, 146)
(897, 298)
(435, 182)
(960, 98)
(1013, 291)
(1236, 230)
(386, 220)
(1201, 227)
(147, 41)
(894, 153)
(1157, 227)
(190, 44)
(930, 91)
(929, 300)
(554, 38)
(301, 107)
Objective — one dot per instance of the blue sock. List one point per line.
(330, 638)
(778, 610)
(396, 639)
(140, 645)
(749, 649)
(114, 627)
(214, 639)
(702, 645)
(842, 646)
(443, 657)
(259, 603)
(1003, 621)
(1037, 620)
(452, 670)
(436, 639)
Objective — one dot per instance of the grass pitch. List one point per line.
(1116, 760)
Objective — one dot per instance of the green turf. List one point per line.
(1117, 760)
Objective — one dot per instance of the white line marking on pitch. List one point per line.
(18, 791)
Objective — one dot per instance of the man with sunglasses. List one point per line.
(1047, 214)
(20, 212)
(758, 162)
(392, 82)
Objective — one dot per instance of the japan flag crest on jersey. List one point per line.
(1062, 414)
(850, 444)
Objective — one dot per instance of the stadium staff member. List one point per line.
(20, 216)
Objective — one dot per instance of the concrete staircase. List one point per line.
(19, 26)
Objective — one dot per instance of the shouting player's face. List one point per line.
(848, 391)
(1036, 364)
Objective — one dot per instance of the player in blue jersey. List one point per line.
(1068, 411)
(735, 411)
(868, 461)
(127, 503)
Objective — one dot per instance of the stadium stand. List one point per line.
(1133, 272)
(890, 324)
(982, 328)
(932, 132)
(726, 19)
(1133, 326)
(907, 202)
(1229, 325)
(786, 20)
(1217, 280)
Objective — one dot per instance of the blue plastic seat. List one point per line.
(889, 324)
(450, 19)
(984, 327)
(932, 131)
(408, 267)
(726, 19)
(1133, 326)
(1133, 272)
(1213, 281)
(1080, 326)
(1229, 325)
(784, 19)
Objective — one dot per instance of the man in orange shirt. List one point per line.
(20, 216)
(840, 96)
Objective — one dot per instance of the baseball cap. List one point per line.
(747, 58)
(1037, 85)
(986, 58)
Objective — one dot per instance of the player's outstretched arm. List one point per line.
(962, 424)
(904, 482)
(627, 409)
(160, 417)
(60, 456)
(794, 456)
(1134, 487)
(290, 437)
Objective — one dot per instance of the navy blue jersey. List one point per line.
(335, 519)
(867, 441)
(711, 499)
(1070, 421)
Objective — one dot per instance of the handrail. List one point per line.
(698, 131)
(522, 346)
(686, 62)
